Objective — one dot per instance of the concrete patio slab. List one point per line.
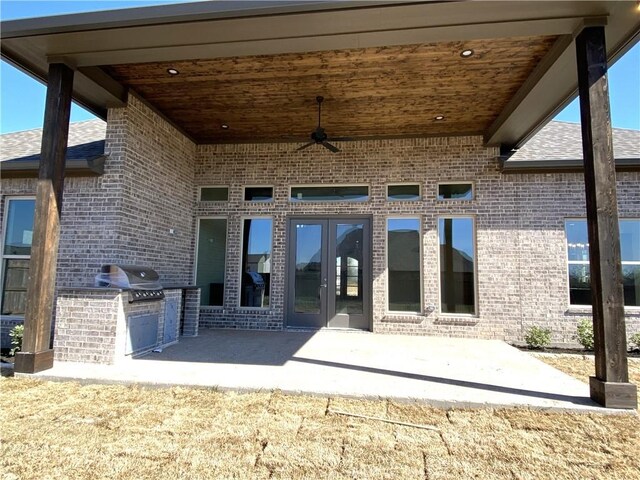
(442, 372)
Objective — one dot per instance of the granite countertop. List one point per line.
(86, 288)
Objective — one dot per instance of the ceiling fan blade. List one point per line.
(333, 148)
(305, 146)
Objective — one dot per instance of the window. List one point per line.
(210, 260)
(258, 194)
(256, 262)
(214, 194)
(403, 192)
(336, 193)
(403, 263)
(578, 261)
(16, 253)
(455, 191)
(457, 265)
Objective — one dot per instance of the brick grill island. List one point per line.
(92, 322)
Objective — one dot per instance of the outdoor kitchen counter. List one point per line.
(101, 325)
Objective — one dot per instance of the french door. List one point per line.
(329, 273)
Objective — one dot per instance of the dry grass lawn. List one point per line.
(69, 431)
(582, 367)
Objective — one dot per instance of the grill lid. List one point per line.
(128, 277)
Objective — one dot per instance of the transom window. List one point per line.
(455, 191)
(16, 253)
(214, 194)
(258, 194)
(403, 192)
(334, 193)
(578, 261)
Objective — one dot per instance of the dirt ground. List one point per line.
(65, 430)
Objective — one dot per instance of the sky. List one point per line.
(22, 98)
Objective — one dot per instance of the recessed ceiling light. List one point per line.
(439, 117)
(466, 53)
(224, 126)
(172, 71)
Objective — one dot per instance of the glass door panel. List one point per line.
(308, 267)
(349, 263)
(349, 304)
(307, 284)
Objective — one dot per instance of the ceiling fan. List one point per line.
(319, 136)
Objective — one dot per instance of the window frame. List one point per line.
(240, 272)
(226, 259)
(456, 182)
(270, 200)
(3, 257)
(578, 306)
(476, 305)
(200, 187)
(388, 311)
(401, 184)
(320, 185)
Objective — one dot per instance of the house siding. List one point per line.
(150, 188)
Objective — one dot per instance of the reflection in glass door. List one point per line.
(329, 274)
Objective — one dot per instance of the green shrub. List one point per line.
(635, 340)
(538, 337)
(16, 334)
(585, 333)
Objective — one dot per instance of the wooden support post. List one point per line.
(610, 387)
(36, 354)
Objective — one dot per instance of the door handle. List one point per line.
(323, 285)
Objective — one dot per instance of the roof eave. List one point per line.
(563, 166)
(77, 167)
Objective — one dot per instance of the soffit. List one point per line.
(371, 92)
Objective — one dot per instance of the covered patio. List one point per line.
(496, 70)
(441, 372)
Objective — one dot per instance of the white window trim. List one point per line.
(320, 185)
(456, 182)
(475, 269)
(3, 257)
(195, 257)
(400, 313)
(212, 186)
(239, 300)
(270, 200)
(400, 184)
(577, 306)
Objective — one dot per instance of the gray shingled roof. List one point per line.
(86, 140)
(563, 141)
(556, 141)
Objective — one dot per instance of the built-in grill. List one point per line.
(143, 283)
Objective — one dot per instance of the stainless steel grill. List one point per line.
(143, 283)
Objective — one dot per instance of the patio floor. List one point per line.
(442, 372)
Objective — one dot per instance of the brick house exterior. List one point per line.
(144, 210)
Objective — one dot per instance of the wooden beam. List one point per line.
(610, 387)
(36, 354)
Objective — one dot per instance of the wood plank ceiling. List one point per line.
(372, 92)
